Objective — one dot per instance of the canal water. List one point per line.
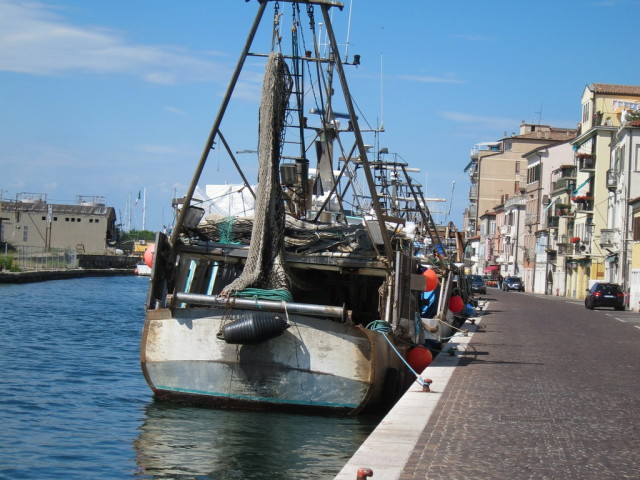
(74, 403)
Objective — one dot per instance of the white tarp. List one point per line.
(227, 200)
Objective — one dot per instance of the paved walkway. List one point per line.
(544, 389)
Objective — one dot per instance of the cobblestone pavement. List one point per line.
(545, 390)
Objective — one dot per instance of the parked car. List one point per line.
(512, 283)
(478, 284)
(602, 294)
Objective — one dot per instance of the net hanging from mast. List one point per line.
(264, 266)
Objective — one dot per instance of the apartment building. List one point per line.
(580, 194)
(498, 168)
(604, 109)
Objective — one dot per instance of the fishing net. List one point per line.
(300, 236)
(264, 267)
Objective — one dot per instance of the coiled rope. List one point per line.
(280, 294)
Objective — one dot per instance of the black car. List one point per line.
(512, 283)
(603, 294)
(478, 285)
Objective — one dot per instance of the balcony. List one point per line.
(515, 201)
(473, 192)
(563, 184)
(612, 180)
(607, 237)
(505, 230)
(563, 210)
(586, 161)
(584, 204)
(473, 210)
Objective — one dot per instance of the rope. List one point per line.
(280, 294)
(383, 327)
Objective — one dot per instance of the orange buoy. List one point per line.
(149, 254)
(456, 304)
(431, 279)
(419, 358)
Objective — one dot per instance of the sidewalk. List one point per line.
(386, 451)
(541, 390)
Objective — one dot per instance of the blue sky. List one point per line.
(108, 98)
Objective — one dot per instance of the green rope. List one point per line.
(226, 230)
(379, 326)
(280, 294)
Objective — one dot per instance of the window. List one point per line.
(585, 112)
(25, 234)
(533, 173)
(636, 229)
(44, 217)
(97, 220)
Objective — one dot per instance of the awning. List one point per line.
(575, 192)
(492, 268)
(550, 205)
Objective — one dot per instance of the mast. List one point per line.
(358, 135)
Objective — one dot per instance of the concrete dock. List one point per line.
(541, 388)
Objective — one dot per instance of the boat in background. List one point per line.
(143, 270)
(317, 301)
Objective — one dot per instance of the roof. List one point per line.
(558, 135)
(607, 88)
(61, 209)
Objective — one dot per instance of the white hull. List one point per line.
(315, 364)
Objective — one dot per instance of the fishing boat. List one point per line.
(317, 300)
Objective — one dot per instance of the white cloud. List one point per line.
(158, 149)
(432, 79)
(36, 40)
(484, 121)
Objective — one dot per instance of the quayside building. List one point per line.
(30, 222)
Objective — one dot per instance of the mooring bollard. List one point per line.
(364, 473)
(426, 384)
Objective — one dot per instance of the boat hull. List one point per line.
(316, 364)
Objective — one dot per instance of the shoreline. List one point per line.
(46, 275)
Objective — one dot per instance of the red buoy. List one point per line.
(419, 358)
(148, 255)
(431, 279)
(456, 304)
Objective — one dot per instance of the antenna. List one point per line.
(346, 50)
(539, 114)
(381, 95)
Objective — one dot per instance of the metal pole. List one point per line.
(216, 124)
(358, 135)
(271, 305)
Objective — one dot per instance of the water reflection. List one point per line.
(181, 442)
